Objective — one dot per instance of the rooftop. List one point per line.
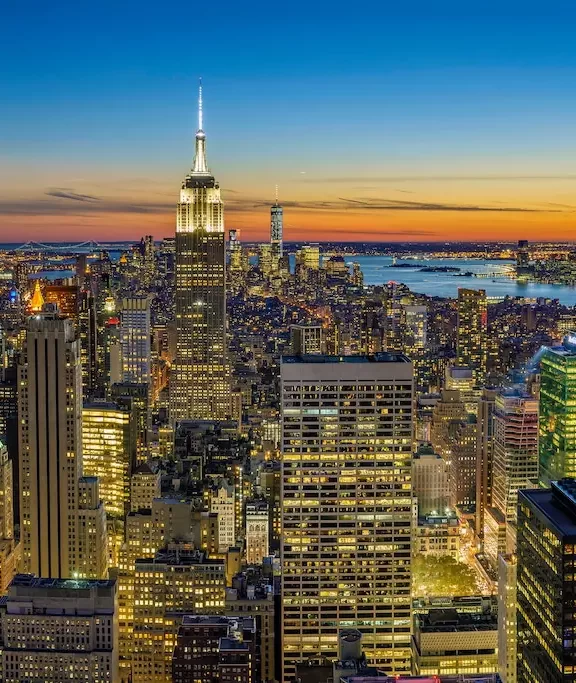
(232, 644)
(32, 581)
(556, 506)
(382, 357)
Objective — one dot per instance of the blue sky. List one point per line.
(104, 94)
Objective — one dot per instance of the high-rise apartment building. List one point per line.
(59, 629)
(558, 412)
(109, 451)
(346, 507)
(135, 339)
(200, 382)
(472, 340)
(546, 584)
(515, 459)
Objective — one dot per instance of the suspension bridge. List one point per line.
(90, 245)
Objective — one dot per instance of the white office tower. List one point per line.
(50, 443)
(346, 507)
(135, 333)
(223, 504)
(55, 630)
(515, 455)
(507, 604)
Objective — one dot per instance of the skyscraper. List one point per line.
(50, 442)
(515, 458)
(472, 331)
(507, 607)
(109, 451)
(62, 521)
(200, 382)
(276, 227)
(558, 412)
(546, 586)
(346, 507)
(135, 334)
(484, 451)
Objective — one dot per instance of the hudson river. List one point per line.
(377, 271)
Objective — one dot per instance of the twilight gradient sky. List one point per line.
(378, 120)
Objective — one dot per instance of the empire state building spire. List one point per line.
(200, 374)
(200, 166)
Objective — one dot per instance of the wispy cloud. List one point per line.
(66, 193)
(440, 178)
(68, 202)
(377, 204)
(47, 207)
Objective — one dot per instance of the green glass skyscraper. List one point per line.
(558, 412)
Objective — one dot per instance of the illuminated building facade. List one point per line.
(558, 413)
(450, 643)
(88, 327)
(430, 482)
(223, 504)
(346, 507)
(62, 529)
(214, 648)
(472, 339)
(66, 297)
(507, 636)
(59, 629)
(135, 338)
(177, 581)
(270, 484)
(308, 257)
(257, 532)
(515, 459)
(50, 444)
(109, 452)
(276, 227)
(306, 339)
(546, 587)
(484, 450)
(144, 487)
(200, 382)
(9, 549)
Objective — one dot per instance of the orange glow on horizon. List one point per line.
(305, 225)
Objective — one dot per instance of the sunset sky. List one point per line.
(379, 121)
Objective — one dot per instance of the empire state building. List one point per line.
(200, 382)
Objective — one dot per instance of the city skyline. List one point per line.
(424, 127)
